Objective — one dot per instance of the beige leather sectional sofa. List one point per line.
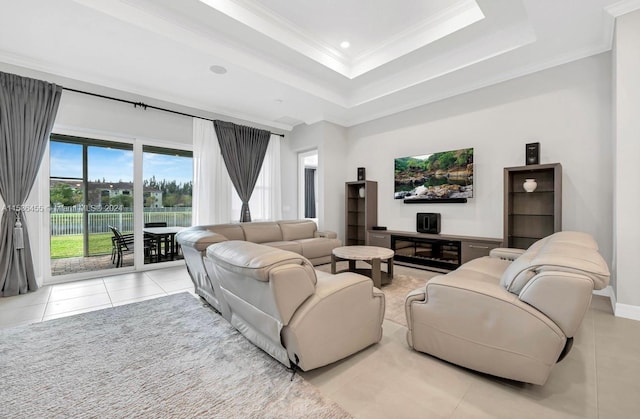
(512, 314)
(260, 277)
(299, 236)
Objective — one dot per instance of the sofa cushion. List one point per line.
(254, 261)
(262, 232)
(489, 266)
(577, 238)
(230, 231)
(318, 247)
(569, 257)
(198, 239)
(296, 230)
(286, 245)
(566, 251)
(322, 274)
(470, 275)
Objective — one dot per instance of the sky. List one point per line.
(116, 165)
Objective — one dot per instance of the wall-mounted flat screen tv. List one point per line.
(444, 176)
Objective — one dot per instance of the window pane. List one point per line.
(168, 179)
(66, 160)
(110, 197)
(110, 165)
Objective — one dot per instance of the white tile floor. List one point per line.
(599, 378)
(53, 301)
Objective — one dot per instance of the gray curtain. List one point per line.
(309, 193)
(28, 108)
(243, 150)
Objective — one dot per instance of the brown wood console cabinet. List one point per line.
(432, 251)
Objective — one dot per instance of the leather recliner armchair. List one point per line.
(297, 315)
(512, 314)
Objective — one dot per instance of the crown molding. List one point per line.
(622, 7)
(499, 78)
(448, 21)
(481, 49)
(282, 31)
(250, 13)
(154, 21)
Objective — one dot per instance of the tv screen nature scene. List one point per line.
(444, 175)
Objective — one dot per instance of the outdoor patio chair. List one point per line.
(124, 243)
(157, 242)
(155, 224)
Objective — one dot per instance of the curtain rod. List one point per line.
(145, 106)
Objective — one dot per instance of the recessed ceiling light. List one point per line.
(345, 44)
(218, 69)
(279, 101)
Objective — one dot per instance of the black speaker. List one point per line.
(428, 222)
(532, 153)
(361, 175)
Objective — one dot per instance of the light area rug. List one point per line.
(170, 357)
(404, 281)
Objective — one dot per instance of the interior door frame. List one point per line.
(301, 182)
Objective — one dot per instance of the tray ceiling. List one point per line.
(284, 62)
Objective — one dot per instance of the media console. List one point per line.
(440, 252)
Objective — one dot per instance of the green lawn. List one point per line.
(71, 246)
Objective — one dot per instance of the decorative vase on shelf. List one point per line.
(361, 192)
(530, 185)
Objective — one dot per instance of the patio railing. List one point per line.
(69, 220)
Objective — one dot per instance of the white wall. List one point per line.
(335, 161)
(331, 142)
(627, 149)
(95, 115)
(567, 109)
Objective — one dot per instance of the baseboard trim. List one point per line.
(608, 292)
(627, 311)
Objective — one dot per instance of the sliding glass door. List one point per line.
(91, 201)
(167, 192)
(92, 194)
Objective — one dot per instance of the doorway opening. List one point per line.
(308, 185)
